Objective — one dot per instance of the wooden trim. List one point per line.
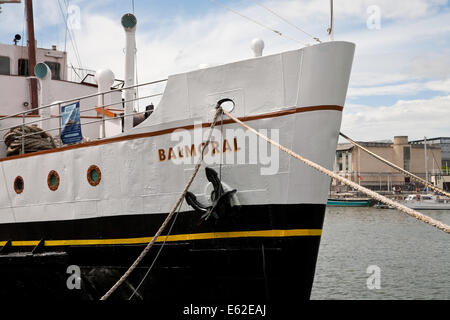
(52, 116)
(170, 130)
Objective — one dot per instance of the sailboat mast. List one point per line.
(426, 159)
(31, 55)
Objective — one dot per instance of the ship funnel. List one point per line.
(129, 23)
(257, 47)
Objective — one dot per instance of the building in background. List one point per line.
(353, 163)
(444, 144)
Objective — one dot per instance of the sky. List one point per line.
(400, 81)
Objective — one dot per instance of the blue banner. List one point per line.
(70, 123)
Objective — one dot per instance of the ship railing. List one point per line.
(37, 117)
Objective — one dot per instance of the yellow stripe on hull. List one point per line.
(176, 237)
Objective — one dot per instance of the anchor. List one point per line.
(221, 200)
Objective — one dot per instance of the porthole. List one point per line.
(53, 180)
(94, 175)
(19, 185)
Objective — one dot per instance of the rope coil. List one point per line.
(34, 139)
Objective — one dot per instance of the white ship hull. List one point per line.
(297, 95)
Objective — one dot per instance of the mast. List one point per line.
(331, 28)
(426, 160)
(31, 55)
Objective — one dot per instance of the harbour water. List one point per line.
(410, 258)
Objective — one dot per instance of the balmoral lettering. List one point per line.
(236, 148)
(171, 154)
(161, 154)
(226, 146)
(190, 151)
(179, 153)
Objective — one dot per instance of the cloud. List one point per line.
(383, 63)
(410, 88)
(414, 118)
(407, 56)
(439, 85)
(432, 64)
(400, 89)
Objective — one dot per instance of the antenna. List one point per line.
(330, 30)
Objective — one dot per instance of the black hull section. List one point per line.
(260, 253)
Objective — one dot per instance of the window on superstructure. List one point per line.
(23, 67)
(4, 66)
(55, 67)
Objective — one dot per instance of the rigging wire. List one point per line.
(137, 80)
(258, 3)
(256, 22)
(23, 31)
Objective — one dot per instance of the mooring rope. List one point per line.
(372, 194)
(169, 216)
(409, 174)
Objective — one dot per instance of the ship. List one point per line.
(427, 202)
(74, 217)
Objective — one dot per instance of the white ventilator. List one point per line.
(257, 47)
(105, 79)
